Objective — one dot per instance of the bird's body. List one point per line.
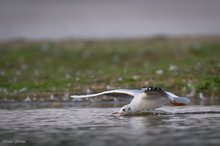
(148, 98)
(143, 102)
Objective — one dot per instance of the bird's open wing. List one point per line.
(116, 93)
(158, 92)
(153, 92)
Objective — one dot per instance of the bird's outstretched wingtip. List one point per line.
(75, 96)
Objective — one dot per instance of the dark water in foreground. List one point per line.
(96, 126)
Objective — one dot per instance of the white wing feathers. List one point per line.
(116, 92)
(176, 100)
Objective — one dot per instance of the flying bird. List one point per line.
(147, 98)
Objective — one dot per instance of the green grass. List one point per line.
(39, 69)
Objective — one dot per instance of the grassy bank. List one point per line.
(41, 69)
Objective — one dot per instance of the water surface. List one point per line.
(78, 124)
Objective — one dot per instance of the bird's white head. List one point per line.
(124, 110)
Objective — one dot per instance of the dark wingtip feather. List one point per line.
(150, 88)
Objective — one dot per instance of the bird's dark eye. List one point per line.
(129, 108)
(123, 109)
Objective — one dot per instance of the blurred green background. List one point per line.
(41, 69)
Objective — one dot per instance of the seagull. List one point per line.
(146, 98)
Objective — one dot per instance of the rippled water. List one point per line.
(78, 124)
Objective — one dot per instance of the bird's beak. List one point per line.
(117, 113)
